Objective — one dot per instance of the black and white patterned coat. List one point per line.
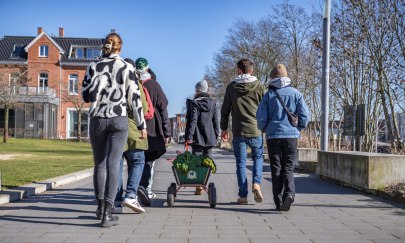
(108, 85)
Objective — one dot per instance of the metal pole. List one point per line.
(325, 77)
(376, 130)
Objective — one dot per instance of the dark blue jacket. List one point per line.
(202, 121)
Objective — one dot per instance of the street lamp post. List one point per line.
(325, 77)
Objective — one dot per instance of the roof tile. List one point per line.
(7, 45)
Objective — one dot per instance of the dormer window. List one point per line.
(43, 51)
(17, 51)
(85, 52)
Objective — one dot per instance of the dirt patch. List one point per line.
(12, 156)
(7, 156)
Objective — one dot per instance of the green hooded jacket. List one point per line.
(134, 140)
(242, 97)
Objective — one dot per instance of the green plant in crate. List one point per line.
(208, 162)
(187, 161)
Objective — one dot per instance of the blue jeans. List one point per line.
(239, 148)
(135, 161)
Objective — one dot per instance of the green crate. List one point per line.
(193, 177)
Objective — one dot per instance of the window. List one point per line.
(13, 78)
(73, 84)
(79, 53)
(43, 82)
(13, 82)
(73, 120)
(18, 50)
(85, 52)
(43, 51)
(92, 53)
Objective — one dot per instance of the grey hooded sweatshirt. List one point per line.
(242, 97)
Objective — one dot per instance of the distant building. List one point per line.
(178, 127)
(55, 67)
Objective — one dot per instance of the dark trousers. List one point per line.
(147, 175)
(283, 157)
(200, 150)
(107, 137)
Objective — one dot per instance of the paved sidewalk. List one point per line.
(322, 212)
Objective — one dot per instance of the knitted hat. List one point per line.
(279, 71)
(141, 64)
(202, 86)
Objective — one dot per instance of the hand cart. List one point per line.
(194, 178)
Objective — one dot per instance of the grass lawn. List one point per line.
(34, 160)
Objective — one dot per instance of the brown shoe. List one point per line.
(199, 190)
(257, 192)
(242, 200)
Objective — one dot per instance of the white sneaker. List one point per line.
(152, 195)
(133, 204)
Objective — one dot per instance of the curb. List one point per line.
(31, 189)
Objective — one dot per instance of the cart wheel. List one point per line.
(212, 195)
(209, 188)
(174, 186)
(170, 197)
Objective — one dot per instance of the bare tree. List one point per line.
(78, 104)
(297, 30)
(373, 19)
(367, 60)
(9, 91)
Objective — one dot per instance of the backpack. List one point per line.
(151, 110)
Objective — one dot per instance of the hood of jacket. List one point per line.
(280, 82)
(143, 74)
(245, 83)
(203, 101)
(244, 78)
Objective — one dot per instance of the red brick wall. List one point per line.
(66, 71)
(58, 77)
(49, 65)
(6, 70)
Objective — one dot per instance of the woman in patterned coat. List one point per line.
(110, 85)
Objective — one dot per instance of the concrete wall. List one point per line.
(363, 170)
(308, 154)
(307, 160)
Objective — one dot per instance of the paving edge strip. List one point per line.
(31, 189)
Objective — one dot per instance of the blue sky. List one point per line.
(178, 37)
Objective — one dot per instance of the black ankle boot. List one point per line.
(100, 209)
(108, 219)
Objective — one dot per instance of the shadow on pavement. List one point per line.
(58, 201)
(60, 220)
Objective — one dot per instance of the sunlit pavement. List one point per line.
(322, 212)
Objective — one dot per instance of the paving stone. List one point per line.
(189, 236)
(220, 241)
(17, 239)
(298, 240)
(159, 241)
(389, 241)
(21, 235)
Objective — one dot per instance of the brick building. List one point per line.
(52, 68)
